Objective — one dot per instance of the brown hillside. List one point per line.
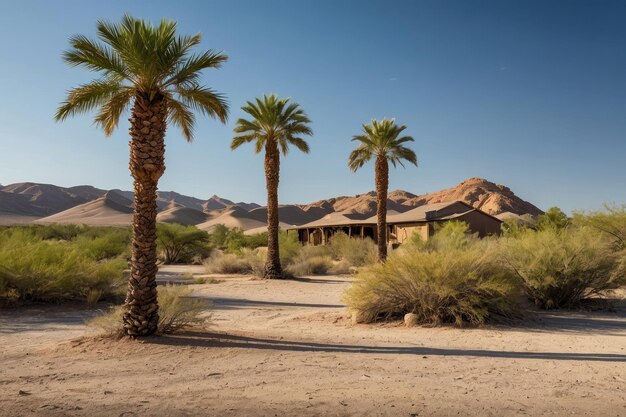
(482, 194)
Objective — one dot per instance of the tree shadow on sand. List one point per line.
(206, 339)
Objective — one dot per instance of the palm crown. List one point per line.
(273, 119)
(135, 57)
(382, 139)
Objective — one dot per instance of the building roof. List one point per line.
(431, 212)
(334, 219)
(426, 213)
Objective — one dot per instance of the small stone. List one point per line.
(410, 319)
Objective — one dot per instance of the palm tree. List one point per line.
(275, 125)
(381, 139)
(152, 68)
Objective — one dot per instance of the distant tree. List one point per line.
(553, 218)
(153, 69)
(381, 140)
(219, 235)
(275, 125)
(181, 243)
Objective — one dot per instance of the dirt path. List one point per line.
(286, 348)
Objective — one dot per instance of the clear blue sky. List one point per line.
(531, 94)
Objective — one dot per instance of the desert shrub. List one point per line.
(449, 235)
(289, 246)
(177, 309)
(256, 240)
(245, 262)
(562, 268)
(218, 236)
(342, 267)
(611, 222)
(513, 227)
(554, 218)
(182, 244)
(233, 240)
(105, 244)
(33, 269)
(457, 285)
(59, 231)
(355, 252)
(310, 265)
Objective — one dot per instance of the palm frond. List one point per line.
(204, 100)
(274, 119)
(241, 139)
(189, 70)
(181, 115)
(110, 112)
(381, 138)
(87, 97)
(149, 60)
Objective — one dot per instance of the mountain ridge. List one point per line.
(52, 203)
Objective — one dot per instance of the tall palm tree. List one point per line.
(382, 140)
(154, 69)
(275, 125)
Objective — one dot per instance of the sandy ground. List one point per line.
(283, 348)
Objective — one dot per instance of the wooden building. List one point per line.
(401, 226)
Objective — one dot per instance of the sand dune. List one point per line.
(263, 229)
(233, 217)
(109, 210)
(177, 213)
(288, 214)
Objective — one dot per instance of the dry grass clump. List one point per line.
(564, 268)
(353, 251)
(310, 260)
(247, 261)
(456, 286)
(178, 309)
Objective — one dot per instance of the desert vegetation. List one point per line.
(182, 244)
(62, 263)
(342, 256)
(178, 309)
(456, 278)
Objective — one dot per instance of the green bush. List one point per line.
(554, 218)
(33, 269)
(562, 268)
(178, 309)
(233, 240)
(289, 246)
(458, 285)
(449, 235)
(102, 244)
(59, 231)
(182, 244)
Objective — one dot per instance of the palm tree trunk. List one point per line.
(382, 184)
(273, 269)
(147, 150)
